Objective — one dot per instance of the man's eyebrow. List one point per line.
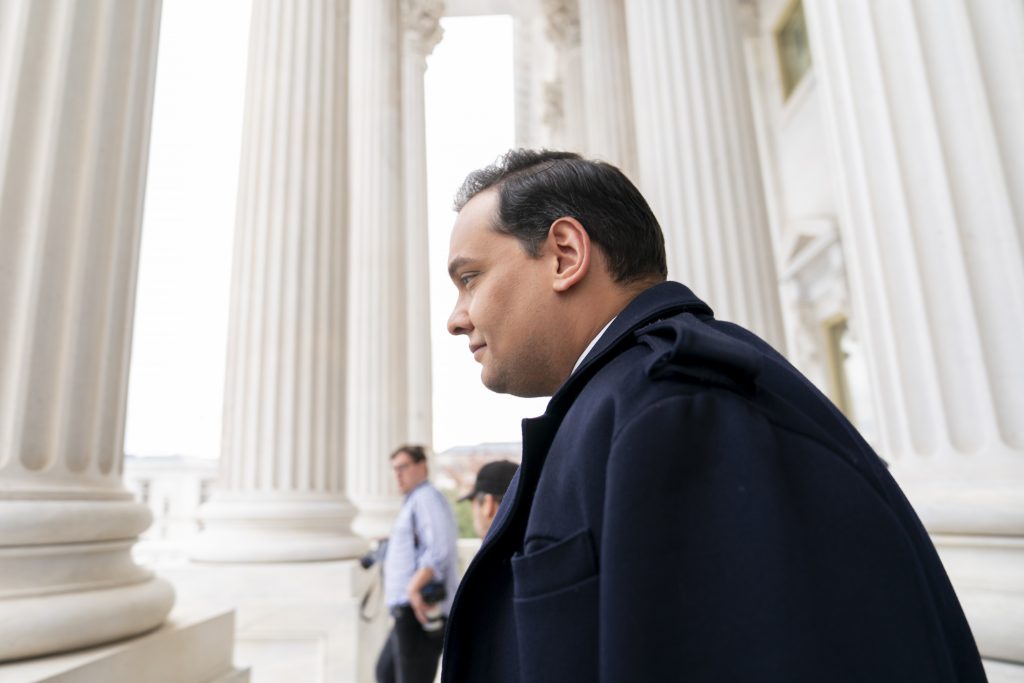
(456, 263)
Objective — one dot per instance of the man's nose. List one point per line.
(458, 321)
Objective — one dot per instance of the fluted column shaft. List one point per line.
(697, 156)
(76, 94)
(923, 103)
(607, 93)
(924, 120)
(421, 32)
(377, 339)
(933, 223)
(282, 495)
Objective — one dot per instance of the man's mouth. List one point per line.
(475, 348)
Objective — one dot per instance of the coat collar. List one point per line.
(660, 301)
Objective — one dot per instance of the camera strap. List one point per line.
(378, 579)
(375, 582)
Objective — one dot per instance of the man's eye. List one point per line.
(465, 279)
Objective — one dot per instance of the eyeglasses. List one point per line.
(401, 468)
(482, 495)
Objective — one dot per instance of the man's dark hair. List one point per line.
(416, 453)
(536, 188)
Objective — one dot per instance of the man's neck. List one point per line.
(584, 318)
(601, 313)
(415, 486)
(592, 344)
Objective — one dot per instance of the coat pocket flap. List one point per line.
(559, 565)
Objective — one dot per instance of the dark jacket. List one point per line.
(691, 508)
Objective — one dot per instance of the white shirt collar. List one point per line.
(590, 346)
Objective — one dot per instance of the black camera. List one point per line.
(374, 556)
(433, 593)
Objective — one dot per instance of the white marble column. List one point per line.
(565, 113)
(697, 156)
(528, 55)
(377, 360)
(923, 103)
(421, 32)
(76, 95)
(282, 487)
(607, 93)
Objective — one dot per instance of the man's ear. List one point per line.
(569, 243)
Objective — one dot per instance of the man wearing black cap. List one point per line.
(491, 483)
(689, 507)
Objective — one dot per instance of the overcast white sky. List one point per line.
(176, 383)
(470, 120)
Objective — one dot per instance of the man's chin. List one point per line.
(495, 384)
(501, 384)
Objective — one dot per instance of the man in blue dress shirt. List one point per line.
(421, 555)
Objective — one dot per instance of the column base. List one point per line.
(988, 575)
(192, 647)
(1001, 672)
(67, 578)
(219, 545)
(973, 508)
(282, 530)
(987, 500)
(295, 622)
(43, 624)
(376, 517)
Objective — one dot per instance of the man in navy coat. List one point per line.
(689, 507)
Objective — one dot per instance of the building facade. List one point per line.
(844, 178)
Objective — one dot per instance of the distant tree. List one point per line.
(463, 515)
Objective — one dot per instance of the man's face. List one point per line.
(408, 474)
(484, 507)
(504, 304)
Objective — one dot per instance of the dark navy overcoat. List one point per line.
(691, 508)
